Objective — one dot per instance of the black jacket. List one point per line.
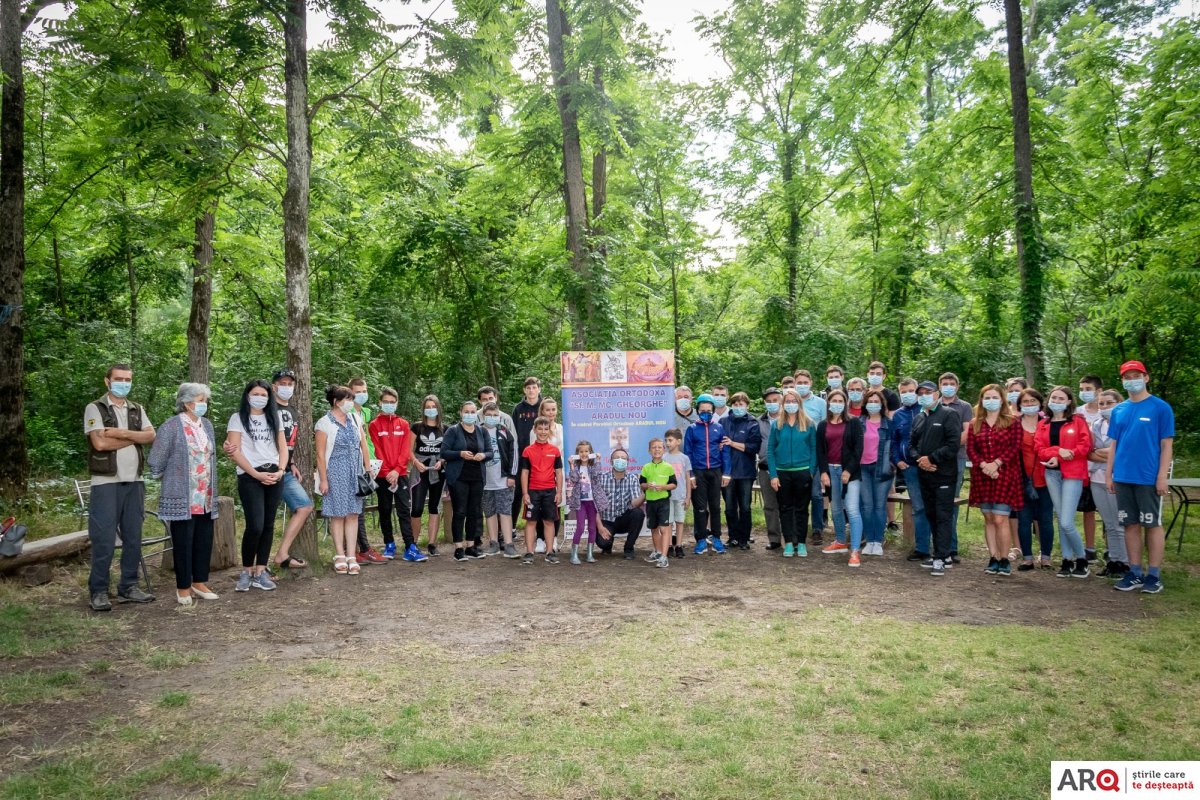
(852, 447)
(937, 434)
(455, 441)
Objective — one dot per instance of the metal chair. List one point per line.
(83, 492)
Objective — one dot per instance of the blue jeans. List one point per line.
(912, 479)
(1040, 511)
(958, 482)
(1065, 493)
(818, 504)
(846, 508)
(874, 502)
(294, 496)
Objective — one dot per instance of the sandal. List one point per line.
(291, 562)
(352, 565)
(339, 565)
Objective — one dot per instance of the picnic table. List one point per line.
(908, 532)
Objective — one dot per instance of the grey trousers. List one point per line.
(770, 507)
(116, 507)
(1114, 532)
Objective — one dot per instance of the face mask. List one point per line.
(619, 464)
(738, 411)
(431, 413)
(924, 400)
(1087, 397)
(360, 398)
(469, 417)
(791, 408)
(949, 390)
(837, 408)
(991, 404)
(856, 396)
(1106, 412)
(719, 401)
(835, 383)
(706, 416)
(909, 398)
(346, 406)
(387, 408)
(285, 392)
(875, 380)
(1058, 408)
(122, 388)
(1013, 397)
(258, 401)
(773, 408)
(683, 404)
(804, 389)
(874, 408)
(491, 421)
(1030, 411)
(1133, 386)
(199, 408)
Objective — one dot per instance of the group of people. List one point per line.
(825, 461)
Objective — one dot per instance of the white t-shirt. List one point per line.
(259, 446)
(127, 457)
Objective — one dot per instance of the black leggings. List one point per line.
(386, 498)
(466, 499)
(424, 494)
(259, 504)
(191, 546)
(795, 493)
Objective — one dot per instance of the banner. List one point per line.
(620, 398)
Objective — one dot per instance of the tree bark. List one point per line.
(14, 458)
(197, 334)
(791, 244)
(1030, 253)
(295, 249)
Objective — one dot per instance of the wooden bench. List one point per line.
(908, 531)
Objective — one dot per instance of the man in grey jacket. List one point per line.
(772, 398)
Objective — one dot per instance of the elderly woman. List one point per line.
(184, 458)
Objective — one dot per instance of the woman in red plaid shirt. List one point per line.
(994, 448)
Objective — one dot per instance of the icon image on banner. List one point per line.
(618, 438)
(651, 366)
(581, 366)
(613, 369)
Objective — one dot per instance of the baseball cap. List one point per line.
(770, 390)
(930, 385)
(283, 373)
(1139, 366)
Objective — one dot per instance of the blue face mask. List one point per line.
(619, 464)
(258, 401)
(1132, 386)
(360, 398)
(469, 417)
(837, 408)
(1058, 408)
(924, 400)
(1013, 397)
(719, 401)
(1087, 397)
(874, 408)
(491, 421)
(431, 413)
(1106, 412)
(835, 383)
(706, 416)
(120, 388)
(875, 380)
(856, 396)
(991, 404)
(200, 408)
(909, 398)
(738, 411)
(387, 408)
(949, 390)
(804, 389)
(1031, 411)
(773, 408)
(683, 405)
(791, 408)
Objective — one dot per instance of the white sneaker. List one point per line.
(540, 547)
(876, 549)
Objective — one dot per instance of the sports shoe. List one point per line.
(662, 563)
(677, 552)
(953, 559)
(716, 546)
(701, 547)
(1129, 582)
(459, 554)
(475, 552)
(1005, 567)
(1081, 569)
(540, 546)
(1089, 554)
(100, 602)
(493, 549)
(789, 550)
(801, 551)
(916, 555)
(411, 553)
(243, 584)
(262, 581)
(431, 549)
(372, 557)
(1151, 585)
(134, 594)
(1066, 569)
(854, 559)
(628, 555)
(551, 558)
(511, 552)
(993, 567)
(1026, 566)
(837, 547)
(938, 568)
(927, 563)
(389, 551)
(527, 558)
(654, 556)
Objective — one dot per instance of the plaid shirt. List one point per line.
(987, 445)
(620, 494)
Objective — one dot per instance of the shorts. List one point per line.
(424, 495)
(497, 501)
(999, 509)
(1138, 504)
(678, 511)
(1086, 503)
(658, 513)
(541, 507)
(293, 493)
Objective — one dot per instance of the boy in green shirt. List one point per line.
(657, 480)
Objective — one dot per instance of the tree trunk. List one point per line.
(197, 334)
(295, 249)
(572, 161)
(1030, 254)
(14, 460)
(791, 243)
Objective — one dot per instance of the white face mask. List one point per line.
(258, 401)
(346, 406)
(285, 392)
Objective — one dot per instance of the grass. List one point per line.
(27, 631)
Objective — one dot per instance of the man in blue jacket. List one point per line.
(741, 444)
(702, 444)
(902, 424)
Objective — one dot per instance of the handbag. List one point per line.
(366, 485)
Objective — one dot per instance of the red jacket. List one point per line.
(393, 443)
(1076, 437)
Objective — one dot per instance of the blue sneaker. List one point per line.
(389, 551)
(701, 547)
(716, 545)
(411, 553)
(802, 551)
(1129, 583)
(1151, 585)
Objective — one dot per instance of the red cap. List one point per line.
(1139, 366)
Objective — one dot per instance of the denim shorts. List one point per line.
(293, 493)
(999, 509)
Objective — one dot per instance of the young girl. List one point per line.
(839, 449)
(877, 472)
(1037, 508)
(427, 464)
(585, 497)
(1063, 442)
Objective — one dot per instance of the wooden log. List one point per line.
(66, 545)
(226, 552)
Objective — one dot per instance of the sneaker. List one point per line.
(662, 563)
(678, 553)
(716, 546)
(816, 539)
(460, 554)
(789, 550)
(774, 546)
(100, 602)
(243, 584)
(1090, 555)
(837, 547)
(551, 558)
(362, 559)
(134, 594)
(927, 563)
(916, 555)
(1005, 567)
(701, 547)
(1081, 569)
(854, 559)
(432, 550)
(1151, 585)
(1066, 569)
(262, 581)
(493, 549)
(654, 556)
(993, 567)
(411, 553)
(373, 557)
(510, 551)
(540, 547)
(475, 552)
(527, 558)
(1129, 582)
(953, 559)
(389, 551)
(744, 546)
(938, 568)
(628, 555)
(801, 551)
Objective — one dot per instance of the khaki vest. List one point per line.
(105, 463)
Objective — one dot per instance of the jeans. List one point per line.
(938, 493)
(466, 502)
(874, 502)
(1064, 494)
(818, 503)
(259, 504)
(113, 507)
(191, 547)
(1114, 533)
(770, 507)
(385, 498)
(962, 471)
(846, 507)
(795, 493)
(1040, 511)
(629, 523)
(737, 509)
(706, 503)
(921, 540)
(294, 496)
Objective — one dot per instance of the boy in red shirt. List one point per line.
(541, 486)
(393, 442)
